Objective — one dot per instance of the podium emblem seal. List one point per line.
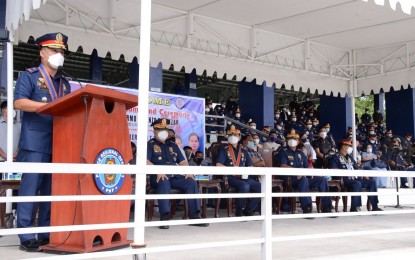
(109, 183)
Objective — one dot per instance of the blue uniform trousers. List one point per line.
(304, 184)
(33, 184)
(356, 185)
(179, 182)
(245, 186)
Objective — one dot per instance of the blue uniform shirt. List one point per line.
(36, 134)
(225, 158)
(163, 154)
(295, 159)
(343, 162)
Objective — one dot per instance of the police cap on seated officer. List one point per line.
(162, 152)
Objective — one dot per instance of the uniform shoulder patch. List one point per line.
(32, 70)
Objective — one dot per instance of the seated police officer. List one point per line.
(160, 152)
(233, 155)
(344, 160)
(295, 158)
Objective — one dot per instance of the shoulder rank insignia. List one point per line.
(32, 70)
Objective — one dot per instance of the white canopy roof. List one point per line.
(319, 45)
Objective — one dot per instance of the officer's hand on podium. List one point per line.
(190, 176)
(162, 177)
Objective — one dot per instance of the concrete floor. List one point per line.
(399, 245)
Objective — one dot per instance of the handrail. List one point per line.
(266, 196)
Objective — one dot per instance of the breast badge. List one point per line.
(41, 84)
(156, 148)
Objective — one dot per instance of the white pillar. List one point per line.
(142, 115)
(266, 211)
(10, 102)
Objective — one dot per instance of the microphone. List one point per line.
(71, 78)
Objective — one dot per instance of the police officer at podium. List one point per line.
(34, 88)
(160, 152)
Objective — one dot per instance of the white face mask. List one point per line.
(256, 141)
(223, 105)
(207, 110)
(372, 141)
(294, 119)
(279, 127)
(233, 139)
(253, 126)
(309, 127)
(349, 150)
(238, 115)
(277, 116)
(162, 135)
(323, 134)
(369, 150)
(292, 143)
(56, 60)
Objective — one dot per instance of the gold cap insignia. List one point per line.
(59, 37)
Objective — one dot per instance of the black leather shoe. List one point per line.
(164, 217)
(198, 225)
(404, 186)
(31, 245)
(353, 209)
(43, 242)
(377, 209)
(307, 210)
(239, 213)
(248, 212)
(327, 209)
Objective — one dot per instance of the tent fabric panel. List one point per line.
(386, 82)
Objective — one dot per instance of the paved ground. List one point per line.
(399, 245)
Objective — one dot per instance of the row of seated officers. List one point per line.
(161, 151)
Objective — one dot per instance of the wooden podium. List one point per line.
(90, 126)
